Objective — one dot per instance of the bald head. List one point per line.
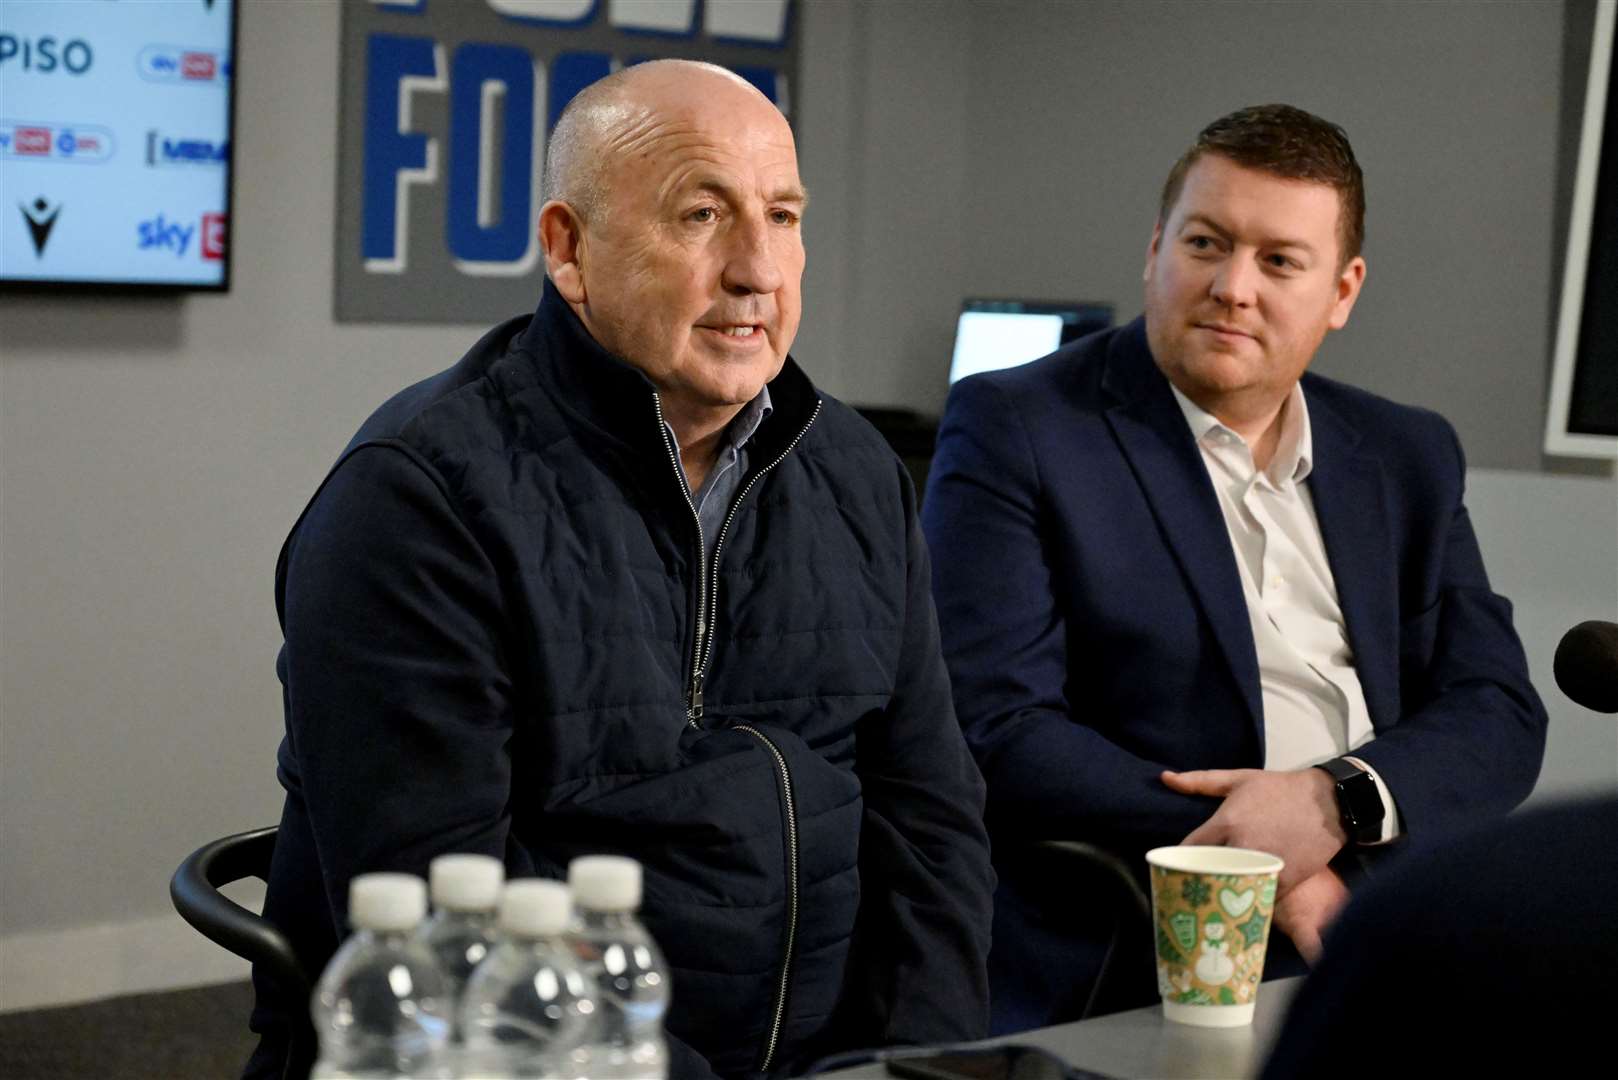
(671, 228)
(603, 119)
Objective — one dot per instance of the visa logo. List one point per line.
(160, 234)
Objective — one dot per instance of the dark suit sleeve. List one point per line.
(399, 709)
(1471, 737)
(925, 882)
(1051, 772)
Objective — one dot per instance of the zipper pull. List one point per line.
(693, 710)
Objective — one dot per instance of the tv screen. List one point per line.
(115, 131)
(993, 334)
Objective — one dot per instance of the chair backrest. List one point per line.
(195, 892)
(1072, 868)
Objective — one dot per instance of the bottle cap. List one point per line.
(386, 902)
(535, 907)
(605, 882)
(466, 882)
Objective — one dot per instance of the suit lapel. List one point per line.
(1155, 439)
(1347, 487)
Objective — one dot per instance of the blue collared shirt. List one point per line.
(719, 488)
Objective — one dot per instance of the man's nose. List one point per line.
(753, 265)
(1235, 282)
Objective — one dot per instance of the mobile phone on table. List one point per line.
(989, 1063)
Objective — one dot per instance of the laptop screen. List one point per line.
(994, 334)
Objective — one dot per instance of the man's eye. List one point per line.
(704, 214)
(783, 217)
(1199, 243)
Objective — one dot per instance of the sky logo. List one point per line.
(160, 234)
(176, 64)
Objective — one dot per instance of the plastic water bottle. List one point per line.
(465, 892)
(529, 1009)
(381, 1010)
(630, 975)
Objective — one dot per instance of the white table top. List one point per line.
(1140, 1043)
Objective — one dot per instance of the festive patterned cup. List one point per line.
(1211, 909)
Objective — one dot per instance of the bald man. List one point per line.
(622, 580)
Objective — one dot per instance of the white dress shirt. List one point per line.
(1314, 708)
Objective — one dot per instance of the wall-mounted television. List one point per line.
(1582, 417)
(115, 136)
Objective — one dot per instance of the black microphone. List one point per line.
(1586, 665)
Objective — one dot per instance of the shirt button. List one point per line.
(1277, 581)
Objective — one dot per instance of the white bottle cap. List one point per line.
(605, 882)
(535, 907)
(386, 902)
(466, 882)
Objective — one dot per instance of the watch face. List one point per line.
(1359, 801)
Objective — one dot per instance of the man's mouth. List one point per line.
(735, 330)
(1221, 328)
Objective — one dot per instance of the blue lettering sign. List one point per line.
(483, 227)
(395, 156)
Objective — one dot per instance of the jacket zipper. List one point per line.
(701, 656)
(693, 701)
(779, 1010)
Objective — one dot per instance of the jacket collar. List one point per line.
(1155, 438)
(611, 395)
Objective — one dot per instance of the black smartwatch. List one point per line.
(1358, 801)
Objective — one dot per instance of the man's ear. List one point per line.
(561, 237)
(1349, 281)
(1151, 250)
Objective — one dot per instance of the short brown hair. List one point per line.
(1286, 142)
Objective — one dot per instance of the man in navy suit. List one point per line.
(1190, 594)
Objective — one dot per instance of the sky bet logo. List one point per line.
(161, 234)
(162, 150)
(55, 142)
(176, 64)
(45, 55)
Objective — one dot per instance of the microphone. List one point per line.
(1586, 665)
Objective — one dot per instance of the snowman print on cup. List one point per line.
(1214, 965)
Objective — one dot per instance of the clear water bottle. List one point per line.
(630, 975)
(465, 891)
(381, 1010)
(529, 1009)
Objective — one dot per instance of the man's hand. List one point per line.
(1304, 913)
(1290, 814)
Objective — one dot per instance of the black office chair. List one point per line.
(195, 892)
(1070, 866)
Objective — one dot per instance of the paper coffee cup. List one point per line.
(1211, 914)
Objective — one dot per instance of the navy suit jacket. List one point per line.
(1094, 622)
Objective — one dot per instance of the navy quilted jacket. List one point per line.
(501, 636)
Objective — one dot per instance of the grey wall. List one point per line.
(1077, 111)
(153, 453)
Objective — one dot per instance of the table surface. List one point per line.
(1140, 1043)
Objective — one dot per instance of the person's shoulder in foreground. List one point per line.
(1482, 956)
(1175, 573)
(624, 581)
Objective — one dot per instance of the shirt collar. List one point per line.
(746, 423)
(743, 426)
(1294, 454)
